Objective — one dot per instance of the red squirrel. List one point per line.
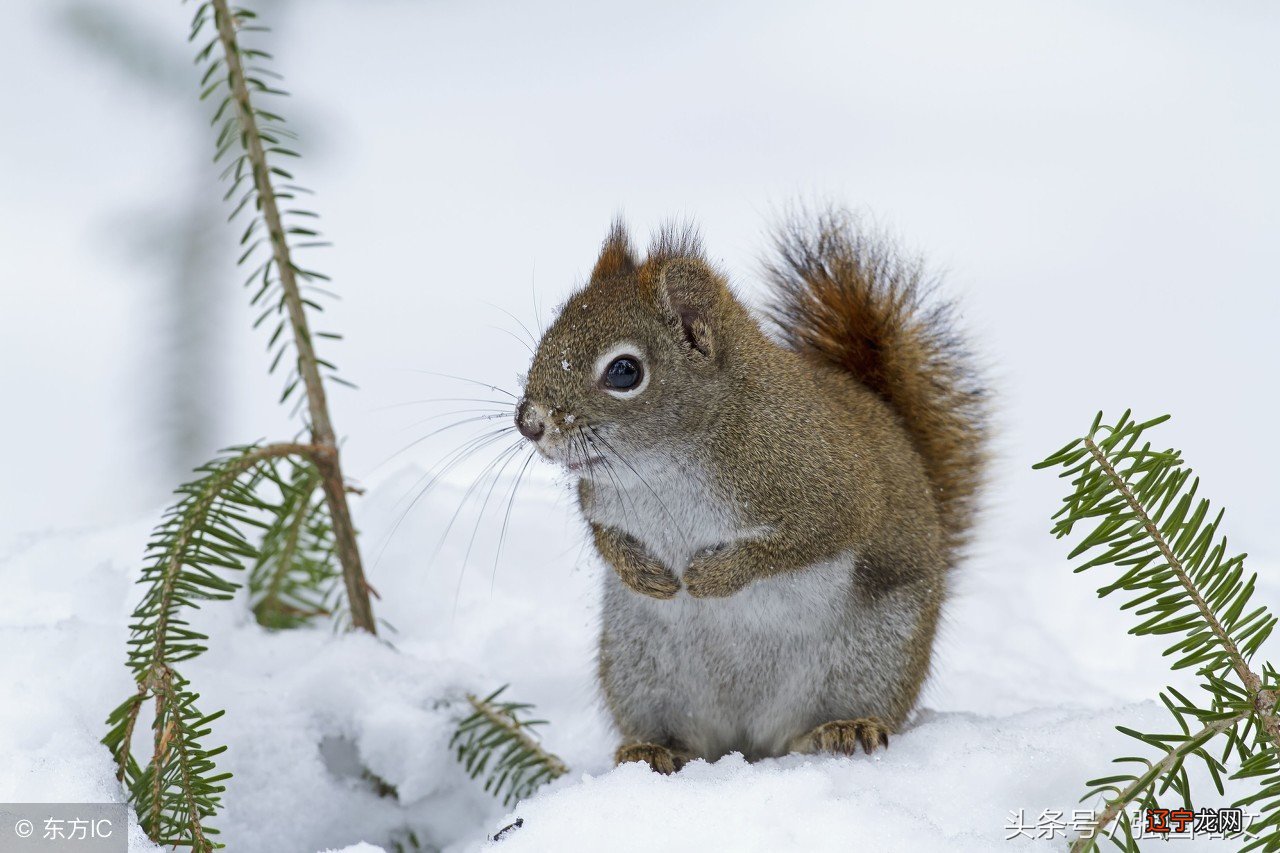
(780, 512)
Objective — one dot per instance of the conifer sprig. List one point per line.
(292, 580)
(224, 520)
(1176, 575)
(197, 542)
(496, 742)
(254, 141)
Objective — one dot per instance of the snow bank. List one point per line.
(946, 785)
(1032, 674)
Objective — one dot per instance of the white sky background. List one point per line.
(1099, 182)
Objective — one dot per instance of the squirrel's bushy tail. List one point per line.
(850, 299)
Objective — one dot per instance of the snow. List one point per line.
(1032, 674)
(1041, 154)
(919, 796)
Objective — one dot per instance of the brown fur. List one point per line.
(856, 304)
(616, 255)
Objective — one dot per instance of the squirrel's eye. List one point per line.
(622, 373)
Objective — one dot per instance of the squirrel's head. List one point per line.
(636, 360)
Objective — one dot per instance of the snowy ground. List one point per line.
(1066, 163)
(1032, 674)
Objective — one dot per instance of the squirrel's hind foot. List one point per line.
(659, 758)
(844, 737)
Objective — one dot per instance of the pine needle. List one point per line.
(295, 577)
(497, 743)
(1147, 523)
(200, 539)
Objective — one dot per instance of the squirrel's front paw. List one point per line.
(635, 566)
(649, 577)
(716, 573)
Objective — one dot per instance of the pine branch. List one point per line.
(1148, 522)
(1264, 701)
(293, 578)
(496, 742)
(1145, 783)
(258, 134)
(198, 540)
(1152, 525)
(204, 534)
(178, 790)
(198, 537)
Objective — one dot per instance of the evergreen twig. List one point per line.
(1145, 782)
(1149, 523)
(292, 579)
(258, 134)
(496, 742)
(178, 788)
(197, 541)
(1264, 701)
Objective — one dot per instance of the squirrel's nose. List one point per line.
(529, 421)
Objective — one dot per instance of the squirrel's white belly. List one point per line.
(742, 673)
(746, 673)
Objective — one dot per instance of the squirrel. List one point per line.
(780, 510)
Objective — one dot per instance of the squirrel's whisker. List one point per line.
(532, 339)
(488, 385)
(606, 465)
(623, 495)
(433, 434)
(533, 296)
(458, 454)
(505, 456)
(428, 400)
(514, 337)
(481, 415)
(593, 434)
(506, 517)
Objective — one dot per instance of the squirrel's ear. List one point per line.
(691, 292)
(616, 255)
